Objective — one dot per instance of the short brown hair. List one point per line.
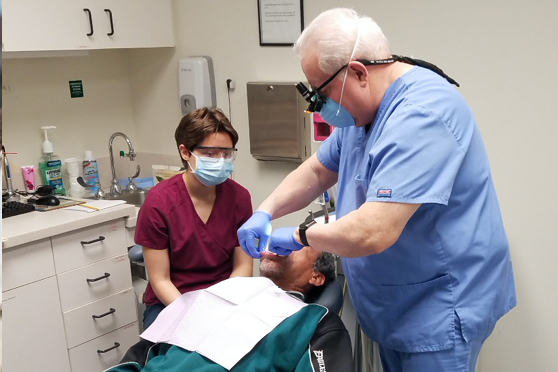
(197, 125)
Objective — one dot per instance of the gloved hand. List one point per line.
(283, 241)
(257, 227)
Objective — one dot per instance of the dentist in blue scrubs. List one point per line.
(418, 223)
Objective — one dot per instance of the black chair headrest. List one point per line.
(329, 295)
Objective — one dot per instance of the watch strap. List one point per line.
(302, 232)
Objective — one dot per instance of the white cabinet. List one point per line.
(100, 317)
(96, 294)
(94, 282)
(31, 313)
(130, 236)
(134, 24)
(64, 25)
(27, 264)
(85, 246)
(69, 301)
(103, 352)
(33, 332)
(35, 25)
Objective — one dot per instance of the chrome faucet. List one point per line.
(115, 186)
(11, 194)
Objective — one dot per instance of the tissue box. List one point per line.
(164, 172)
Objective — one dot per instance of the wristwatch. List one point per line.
(303, 227)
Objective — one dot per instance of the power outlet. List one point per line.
(231, 84)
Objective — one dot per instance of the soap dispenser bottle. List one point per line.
(51, 165)
(91, 172)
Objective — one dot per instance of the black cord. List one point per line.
(41, 190)
(229, 81)
(229, 97)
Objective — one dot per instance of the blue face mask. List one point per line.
(337, 115)
(213, 171)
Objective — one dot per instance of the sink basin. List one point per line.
(136, 197)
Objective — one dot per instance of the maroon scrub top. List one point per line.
(201, 253)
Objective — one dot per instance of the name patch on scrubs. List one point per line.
(384, 193)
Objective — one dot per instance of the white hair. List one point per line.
(334, 35)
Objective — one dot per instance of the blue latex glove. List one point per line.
(283, 241)
(257, 227)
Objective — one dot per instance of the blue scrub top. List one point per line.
(452, 261)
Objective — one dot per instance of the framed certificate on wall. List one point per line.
(280, 22)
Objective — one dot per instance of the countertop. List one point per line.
(32, 226)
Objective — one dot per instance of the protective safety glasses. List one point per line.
(216, 152)
(317, 99)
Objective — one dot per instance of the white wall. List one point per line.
(503, 53)
(38, 94)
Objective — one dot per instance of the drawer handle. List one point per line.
(99, 278)
(111, 311)
(116, 344)
(109, 12)
(90, 21)
(100, 239)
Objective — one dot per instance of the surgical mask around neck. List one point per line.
(212, 171)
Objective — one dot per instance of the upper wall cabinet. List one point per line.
(63, 25)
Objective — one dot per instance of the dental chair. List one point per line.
(135, 254)
(329, 295)
(139, 280)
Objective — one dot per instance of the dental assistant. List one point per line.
(188, 223)
(418, 224)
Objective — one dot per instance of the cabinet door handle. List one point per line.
(99, 239)
(111, 23)
(99, 278)
(90, 21)
(111, 311)
(116, 344)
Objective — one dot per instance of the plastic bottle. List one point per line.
(29, 177)
(91, 171)
(51, 165)
(73, 167)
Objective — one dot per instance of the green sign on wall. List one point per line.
(76, 88)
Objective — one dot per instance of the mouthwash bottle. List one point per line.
(91, 172)
(51, 165)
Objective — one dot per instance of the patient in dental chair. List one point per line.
(250, 324)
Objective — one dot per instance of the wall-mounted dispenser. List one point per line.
(196, 83)
(280, 128)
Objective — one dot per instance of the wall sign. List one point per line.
(280, 22)
(76, 88)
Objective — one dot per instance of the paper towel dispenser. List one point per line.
(280, 128)
(196, 83)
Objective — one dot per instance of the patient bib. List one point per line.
(225, 321)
